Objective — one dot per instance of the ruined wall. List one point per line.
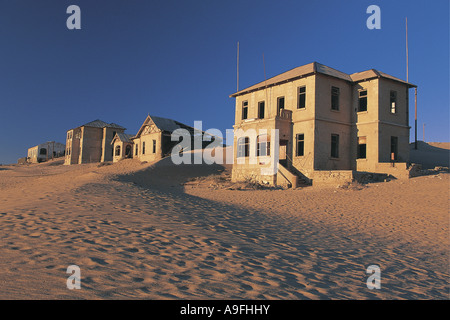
(107, 148)
(148, 154)
(91, 144)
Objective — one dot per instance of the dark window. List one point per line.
(143, 147)
(335, 146)
(334, 98)
(244, 110)
(137, 149)
(243, 147)
(301, 98)
(362, 105)
(280, 103)
(300, 145)
(117, 150)
(263, 146)
(361, 152)
(114, 134)
(393, 101)
(43, 151)
(154, 146)
(128, 151)
(261, 109)
(394, 148)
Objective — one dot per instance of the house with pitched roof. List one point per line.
(91, 142)
(123, 146)
(153, 140)
(330, 124)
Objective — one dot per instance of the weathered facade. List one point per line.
(122, 146)
(153, 140)
(91, 142)
(327, 121)
(45, 151)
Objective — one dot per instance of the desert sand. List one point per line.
(160, 231)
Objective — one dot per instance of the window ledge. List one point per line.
(335, 159)
(361, 112)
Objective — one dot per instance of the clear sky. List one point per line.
(177, 59)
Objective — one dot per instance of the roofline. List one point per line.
(378, 75)
(244, 91)
(410, 85)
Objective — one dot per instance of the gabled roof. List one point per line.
(302, 71)
(102, 124)
(373, 73)
(164, 124)
(122, 137)
(313, 68)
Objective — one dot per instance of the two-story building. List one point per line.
(327, 121)
(91, 142)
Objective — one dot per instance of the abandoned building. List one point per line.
(91, 142)
(332, 125)
(153, 140)
(123, 146)
(45, 151)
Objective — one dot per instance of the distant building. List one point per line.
(330, 123)
(91, 142)
(45, 151)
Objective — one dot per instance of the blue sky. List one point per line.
(177, 59)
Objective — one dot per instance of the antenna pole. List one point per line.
(407, 62)
(415, 89)
(265, 84)
(237, 86)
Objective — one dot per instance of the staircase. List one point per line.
(291, 178)
(285, 177)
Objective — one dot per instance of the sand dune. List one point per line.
(137, 231)
(431, 155)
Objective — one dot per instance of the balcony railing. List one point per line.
(285, 114)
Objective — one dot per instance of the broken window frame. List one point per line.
(281, 103)
(334, 146)
(335, 97)
(244, 110)
(394, 148)
(361, 150)
(261, 109)
(263, 146)
(301, 97)
(300, 144)
(393, 102)
(362, 99)
(243, 147)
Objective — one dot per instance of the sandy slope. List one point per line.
(137, 232)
